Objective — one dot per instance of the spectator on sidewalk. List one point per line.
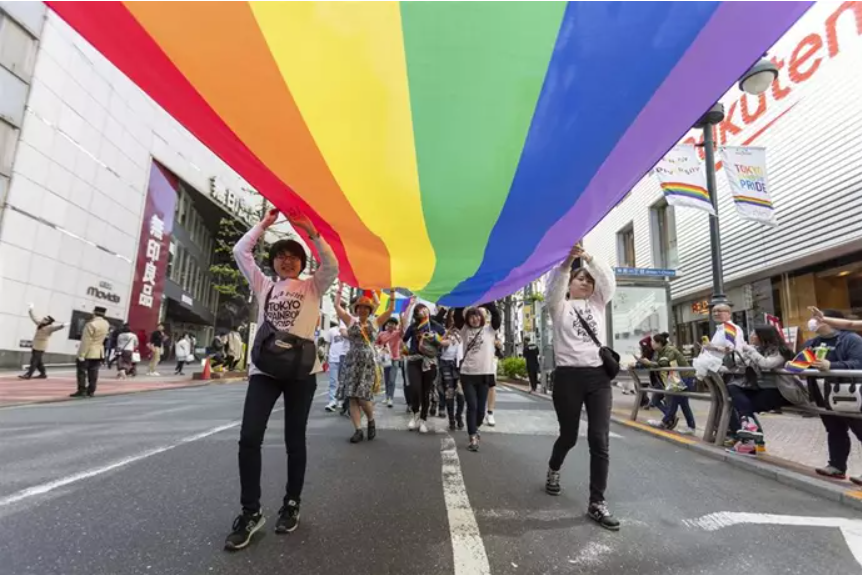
(844, 352)
(755, 391)
(233, 349)
(44, 329)
(91, 352)
(667, 356)
(531, 356)
(647, 355)
(183, 350)
(113, 353)
(157, 340)
(127, 349)
(727, 339)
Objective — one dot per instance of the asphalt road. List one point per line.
(148, 484)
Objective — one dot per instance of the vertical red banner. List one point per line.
(151, 268)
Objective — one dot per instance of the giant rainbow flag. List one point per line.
(457, 149)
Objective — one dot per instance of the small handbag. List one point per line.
(281, 354)
(610, 358)
(841, 396)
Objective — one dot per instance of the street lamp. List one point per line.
(755, 81)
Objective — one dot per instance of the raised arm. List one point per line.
(33, 317)
(555, 293)
(496, 320)
(243, 253)
(836, 322)
(342, 313)
(458, 317)
(384, 317)
(606, 283)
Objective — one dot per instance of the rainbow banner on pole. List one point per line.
(745, 168)
(456, 149)
(682, 179)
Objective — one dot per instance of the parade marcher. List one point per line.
(390, 337)
(492, 389)
(338, 346)
(425, 340)
(450, 360)
(44, 329)
(531, 356)
(360, 376)
(478, 334)
(286, 321)
(91, 352)
(582, 377)
(127, 350)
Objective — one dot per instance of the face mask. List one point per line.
(813, 324)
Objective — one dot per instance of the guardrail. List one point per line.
(718, 420)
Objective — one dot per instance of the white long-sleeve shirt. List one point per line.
(295, 304)
(573, 347)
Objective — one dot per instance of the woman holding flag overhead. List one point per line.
(360, 376)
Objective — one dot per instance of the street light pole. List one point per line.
(718, 295)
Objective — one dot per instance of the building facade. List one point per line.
(106, 199)
(810, 123)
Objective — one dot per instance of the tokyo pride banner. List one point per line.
(682, 180)
(749, 184)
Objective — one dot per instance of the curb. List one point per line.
(131, 392)
(814, 486)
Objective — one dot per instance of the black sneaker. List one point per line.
(358, 436)
(600, 513)
(288, 518)
(43, 376)
(244, 527)
(24, 377)
(433, 411)
(474, 444)
(452, 425)
(460, 423)
(552, 484)
(78, 394)
(372, 430)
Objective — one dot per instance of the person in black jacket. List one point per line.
(844, 352)
(531, 355)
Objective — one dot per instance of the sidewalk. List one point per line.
(61, 382)
(800, 441)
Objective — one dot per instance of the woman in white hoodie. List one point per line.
(579, 378)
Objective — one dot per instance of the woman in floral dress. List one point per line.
(359, 377)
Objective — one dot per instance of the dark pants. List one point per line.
(262, 393)
(747, 402)
(476, 394)
(657, 400)
(449, 374)
(533, 372)
(180, 365)
(575, 387)
(838, 437)
(675, 402)
(421, 384)
(36, 363)
(88, 375)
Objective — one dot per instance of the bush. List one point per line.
(513, 367)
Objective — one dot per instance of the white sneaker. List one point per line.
(491, 420)
(687, 431)
(412, 425)
(422, 427)
(330, 407)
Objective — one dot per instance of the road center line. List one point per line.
(68, 480)
(468, 549)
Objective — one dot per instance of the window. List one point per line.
(626, 247)
(663, 236)
(8, 142)
(17, 48)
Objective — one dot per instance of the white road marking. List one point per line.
(467, 546)
(70, 479)
(850, 528)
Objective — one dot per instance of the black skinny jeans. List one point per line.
(533, 372)
(575, 387)
(421, 384)
(476, 394)
(260, 398)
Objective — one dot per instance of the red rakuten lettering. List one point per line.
(727, 125)
(778, 92)
(761, 108)
(831, 22)
(805, 50)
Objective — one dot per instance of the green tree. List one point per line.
(234, 293)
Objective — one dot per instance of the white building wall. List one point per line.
(813, 137)
(83, 166)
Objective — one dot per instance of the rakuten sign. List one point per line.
(840, 27)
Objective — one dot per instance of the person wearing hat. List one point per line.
(91, 352)
(287, 304)
(359, 375)
(44, 328)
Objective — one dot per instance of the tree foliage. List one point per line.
(235, 299)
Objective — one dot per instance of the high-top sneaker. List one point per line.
(598, 511)
(552, 484)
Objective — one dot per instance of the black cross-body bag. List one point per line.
(610, 358)
(281, 354)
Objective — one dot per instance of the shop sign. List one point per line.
(645, 272)
(105, 295)
(700, 307)
(233, 202)
(26, 343)
(156, 228)
(187, 300)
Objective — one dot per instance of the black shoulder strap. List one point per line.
(587, 328)
(266, 302)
